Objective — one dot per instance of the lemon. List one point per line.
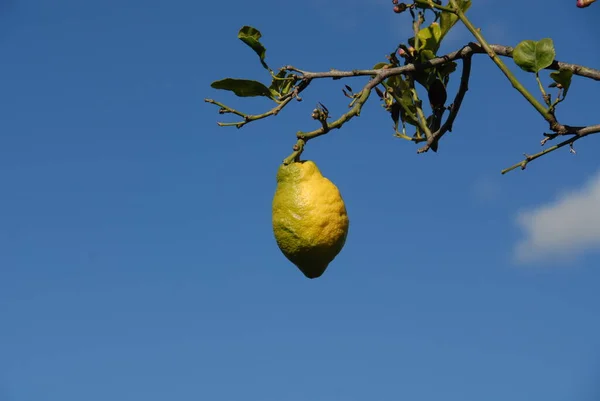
(310, 221)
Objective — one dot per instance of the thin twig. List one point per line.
(294, 94)
(304, 137)
(585, 131)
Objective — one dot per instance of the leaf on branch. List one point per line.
(278, 81)
(282, 83)
(251, 36)
(430, 37)
(562, 78)
(243, 87)
(534, 56)
(437, 94)
(395, 114)
(448, 20)
(409, 112)
(446, 69)
(403, 101)
(427, 75)
(379, 66)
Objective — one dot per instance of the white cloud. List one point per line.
(564, 228)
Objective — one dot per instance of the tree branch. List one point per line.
(582, 132)
(464, 52)
(294, 94)
(379, 75)
(304, 137)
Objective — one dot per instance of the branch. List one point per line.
(468, 49)
(379, 75)
(582, 132)
(294, 94)
(513, 80)
(325, 127)
(465, 52)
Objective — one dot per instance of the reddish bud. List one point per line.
(400, 8)
(584, 3)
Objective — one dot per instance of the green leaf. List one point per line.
(447, 68)
(426, 55)
(448, 20)
(251, 36)
(243, 87)
(379, 66)
(562, 77)
(282, 83)
(395, 114)
(409, 110)
(401, 88)
(409, 115)
(278, 82)
(437, 94)
(285, 89)
(430, 37)
(534, 56)
(427, 75)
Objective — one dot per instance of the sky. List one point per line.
(137, 259)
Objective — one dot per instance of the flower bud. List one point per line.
(584, 3)
(400, 8)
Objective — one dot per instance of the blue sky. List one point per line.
(136, 254)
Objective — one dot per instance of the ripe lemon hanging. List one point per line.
(310, 222)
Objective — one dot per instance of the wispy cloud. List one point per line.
(566, 227)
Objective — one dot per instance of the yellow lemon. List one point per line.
(310, 222)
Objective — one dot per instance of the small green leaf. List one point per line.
(534, 56)
(379, 66)
(437, 94)
(409, 110)
(243, 87)
(395, 114)
(430, 37)
(448, 20)
(562, 77)
(285, 89)
(251, 36)
(409, 115)
(278, 81)
(395, 82)
(426, 55)
(447, 69)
